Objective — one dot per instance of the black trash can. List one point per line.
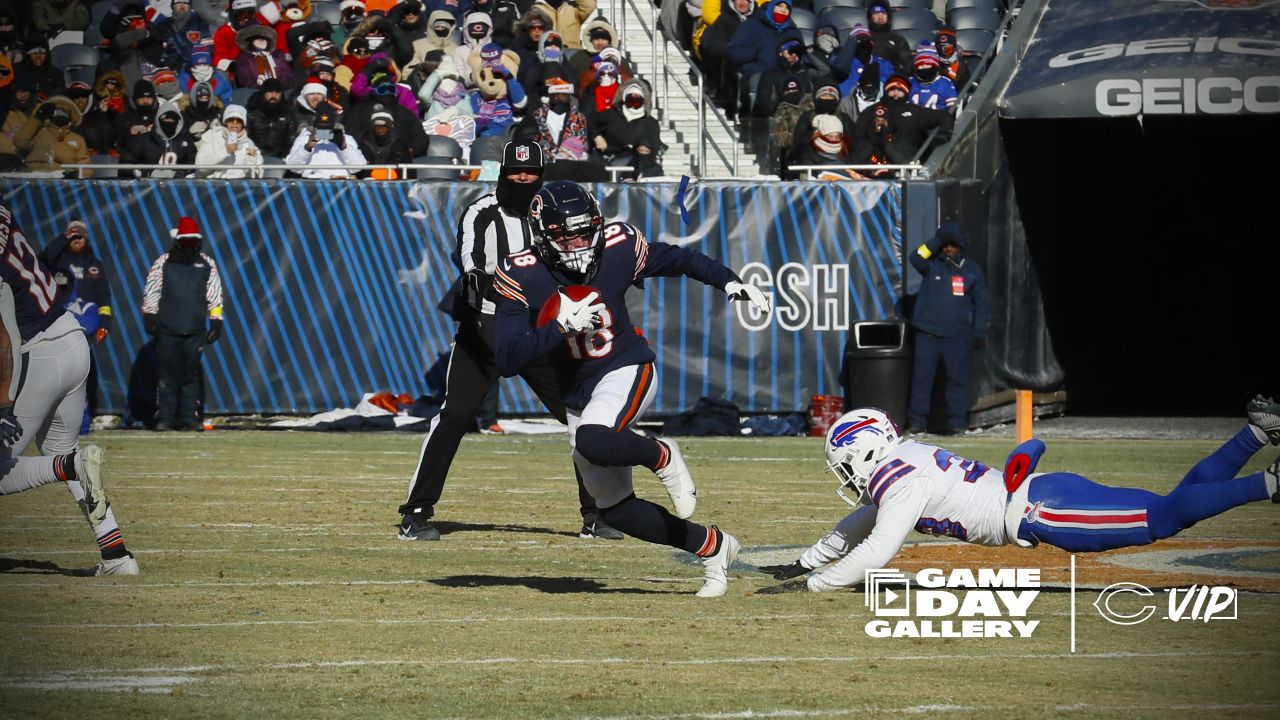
(877, 364)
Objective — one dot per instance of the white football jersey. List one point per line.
(967, 501)
(915, 487)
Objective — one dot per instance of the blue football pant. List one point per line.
(1076, 514)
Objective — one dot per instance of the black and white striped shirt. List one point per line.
(486, 234)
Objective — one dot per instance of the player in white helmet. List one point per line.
(900, 485)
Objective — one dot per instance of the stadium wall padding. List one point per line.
(331, 288)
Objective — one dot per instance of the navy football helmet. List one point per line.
(565, 220)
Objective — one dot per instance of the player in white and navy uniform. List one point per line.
(49, 365)
(609, 366)
(911, 485)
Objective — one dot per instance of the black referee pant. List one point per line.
(471, 375)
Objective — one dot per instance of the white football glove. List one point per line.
(579, 316)
(749, 293)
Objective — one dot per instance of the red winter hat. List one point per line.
(186, 229)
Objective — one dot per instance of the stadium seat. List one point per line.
(915, 36)
(843, 18)
(969, 18)
(99, 10)
(241, 95)
(69, 56)
(807, 36)
(975, 41)
(442, 174)
(445, 147)
(485, 148)
(67, 37)
(82, 74)
(916, 4)
(93, 37)
(915, 18)
(106, 173)
(804, 19)
(821, 6)
(993, 5)
(326, 11)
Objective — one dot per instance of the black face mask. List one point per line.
(186, 255)
(826, 106)
(515, 197)
(441, 32)
(168, 125)
(558, 106)
(862, 51)
(927, 74)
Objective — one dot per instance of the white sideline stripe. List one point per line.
(880, 710)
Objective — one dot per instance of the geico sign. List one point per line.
(1167, 46)
(1188, 96)
(802, 296)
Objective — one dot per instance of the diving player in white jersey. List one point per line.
(904, 485)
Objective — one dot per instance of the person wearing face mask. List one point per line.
(793, 102)
(567, 17)
(449, 111)
(505, 15)
(810, 125)
(201, 111)
(754, 46)
(272, 125)
(350, 14)
(631, 134)
(259, 59)
(597, 98)
(477, 31)
(438, 35)
(167, 144)
(876, 143)
(410, 19)
(199, 68)
(596, 36)
(187, 28)
(380, 93)
(929, 87)
(106, 105)
(561, 129)
(182, 309)
(826, 44)
(384, 37)
(793, 61)
(868, 92)
(951, 57)
(855, 56)
(912, 123)
(140, 117)
(549, 62)
(355, 56)
(490, 229)
(59, 14)
(47, 138)
(80, 94)
(240, 15)
(888, 44)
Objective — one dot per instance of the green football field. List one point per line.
(272, 586)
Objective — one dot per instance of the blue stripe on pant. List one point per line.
(1209, 489)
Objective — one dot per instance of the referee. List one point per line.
(492, 227)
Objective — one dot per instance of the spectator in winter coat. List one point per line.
(259, 59)
(912, 123)
(498, 95)
(793, 102)
(282, 16)
(754, 47)
(311, 99)
(816, 143)
(132, 41)
(952, 58)
(324, 72)
(793, 61)
(187, 28)
(242, 14)
(561, 130)
(596, 36)
(438, 36)
(631, 134)
(384, 37)
(720, 71)
(477, 32)
(272, 125)
(826, 45)
(410, 19)
(168, 144)
(200, 68)
(200, 110)
(866, 93)
(58, 14)
(505, 15)
(47, 138)
(888, 44)
(567, 18)
(140, 117)
(99, 125)
(950, 317)
(381, 77)
(856, 56)
(48, 80)
(381, 144)
(325, 145)
(597, 98)
(228, 144)
(355, 55)
(875, 142)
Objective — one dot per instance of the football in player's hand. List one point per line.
(551, 309)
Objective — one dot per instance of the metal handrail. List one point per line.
(910, 169)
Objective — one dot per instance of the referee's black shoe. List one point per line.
(594, 527)
(415, 527)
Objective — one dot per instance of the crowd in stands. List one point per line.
(843, 87)
(245, 84)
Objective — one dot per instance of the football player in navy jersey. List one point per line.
(48, 400)
(566, 295)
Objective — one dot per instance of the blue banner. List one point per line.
(331, 287)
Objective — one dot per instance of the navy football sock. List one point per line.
(646, 521)
(603, 446)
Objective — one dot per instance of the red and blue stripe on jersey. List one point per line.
(885, 477)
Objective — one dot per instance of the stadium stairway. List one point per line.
(677, 112)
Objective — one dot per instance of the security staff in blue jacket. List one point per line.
(950, 317)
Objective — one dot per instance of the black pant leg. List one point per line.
(91, 386)
(546, 383)
(189, 388)
(471, 374)
(168, 376)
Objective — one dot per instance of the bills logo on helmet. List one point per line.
(522, 152)
(845, 433)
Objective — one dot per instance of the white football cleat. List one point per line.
(89, 472)
(1264, 414)
(126, 565)
(715, 571)
(678, 481)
